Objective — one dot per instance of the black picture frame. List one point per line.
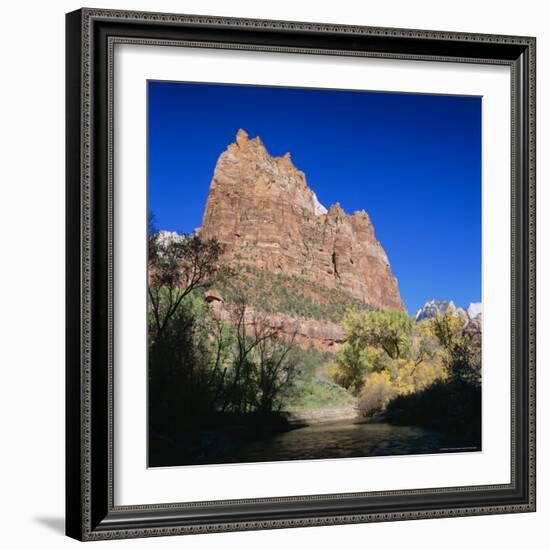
(90, 510)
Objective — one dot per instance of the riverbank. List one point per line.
(336, 440)
(318, 416)
(347, 438)
(219, 436)
(208, 440)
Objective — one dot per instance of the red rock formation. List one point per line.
(262, 209)
(323, 335)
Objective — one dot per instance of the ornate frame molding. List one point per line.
(91, 36)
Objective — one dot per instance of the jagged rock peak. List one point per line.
(432, 307)
(336, 210)
(164, 238)
(241, 137)
(243, 141)
(252, 156)
(264, 212)
(361, 214)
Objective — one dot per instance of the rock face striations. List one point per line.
(262, 209)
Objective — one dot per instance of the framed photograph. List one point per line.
(300, 274)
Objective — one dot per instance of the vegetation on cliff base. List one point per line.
(202, 368)
(278, 293)
(199, 365)
(427, 373)
(207, 372)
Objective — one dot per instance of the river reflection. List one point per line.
(345, 439)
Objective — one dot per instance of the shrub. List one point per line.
(378, 391)
(399, 377)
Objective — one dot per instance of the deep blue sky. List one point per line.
(413, 162)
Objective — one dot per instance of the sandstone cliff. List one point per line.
(262, 209)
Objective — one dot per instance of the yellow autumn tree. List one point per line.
(387, 354)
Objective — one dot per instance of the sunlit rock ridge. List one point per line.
(264, 212)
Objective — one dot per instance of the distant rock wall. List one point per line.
(432, 307)
(262, 209)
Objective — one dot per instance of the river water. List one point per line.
(344, 439)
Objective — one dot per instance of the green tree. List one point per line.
(374, 339)
(176, 267)
(462, 354)
(465, 363)
(354, 361)
(262, 366)
(388, 330)
(186, 355)
(446, 327)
